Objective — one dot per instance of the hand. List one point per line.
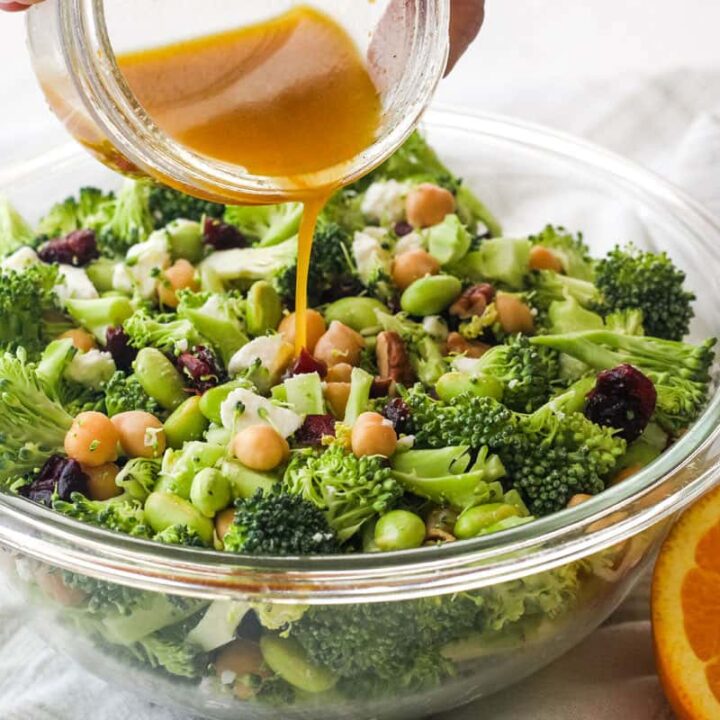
(465, 23)
(15, 5)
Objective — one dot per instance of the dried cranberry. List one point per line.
(623, 398)
(200, 368)
(78, 248)
(380, 387)
(117, 343)
(398, 413)
(222, 236)
(314, 429)
(305, 364)
(403, 228)
(58, 475)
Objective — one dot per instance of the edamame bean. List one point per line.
(186, 240)
(477, 519)
(399, 530)
(264, 309)
(163, 510)
(244, 482)
(101, 274)
(210, 492)
(430, 295)
(358, 313)
(159, 378)
(211, 401)
(286, 658)
(452, 384)
(187, 423)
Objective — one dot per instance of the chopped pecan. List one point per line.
(473, 301)
(456, 344)
(392, 358)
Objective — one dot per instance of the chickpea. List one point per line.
(180, 276)
(101, 481)
(340, 344)
(223, 522)
(340, 373)
(316, 328)
(625, 473)
(579, 499)
(372, 434)
(428, 205)
(542, 258)
(413, 265)
(260, 447)
(141, 434)
(92, 439)
(514, 315)
(336, 396)
(241, 657)
(81, 340)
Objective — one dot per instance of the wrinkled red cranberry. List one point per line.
(305, 364)
(222, 236)
(398, 413)
(199, 367)
(59, 475)
(380, 387)
(78, 248)
(623, 398)
(117, 343)
(314, 429)
(403, 228)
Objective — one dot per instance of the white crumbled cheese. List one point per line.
(228, 677)
(411, 241)
(466, 365)
(91, 369)
(406, 442)
(370, 254)
(244, 408)
(73, 283)
(143, 262)
(435, 327)
(20, 260)
(266, 349)
(384, 202)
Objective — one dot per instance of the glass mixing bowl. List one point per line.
(510, 602)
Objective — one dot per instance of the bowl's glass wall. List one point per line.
(518, 624)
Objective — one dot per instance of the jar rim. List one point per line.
(675, 479)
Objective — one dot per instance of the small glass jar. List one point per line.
(74, 44)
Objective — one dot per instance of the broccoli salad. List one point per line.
(456, 383)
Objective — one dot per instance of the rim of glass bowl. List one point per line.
(89, 56)
(678, 477)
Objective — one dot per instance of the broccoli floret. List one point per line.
(14, 231)
(503, 260)
(164, 332)
(103, 597)
(570, 249)
(92, 209)
(679, 371)
(279, 524)
(568, 315)
(26, 304)
(139, 477)
(266, 224)
(527, 375)
(450, 476)
(349, 490)
(124, 393)
(32, 425)
(549, 286)
(345, 209)
(180, 535)
(166, 205)
(633, 278)
(99, 314)
(121, 514)
(131, 220)
(630, 322)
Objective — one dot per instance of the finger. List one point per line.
(466, 19)
(17, 5)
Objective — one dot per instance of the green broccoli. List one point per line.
(632, 278)
(527, 376)
(548, 286)
(139, 477)
(349, 490)
(279, 524)
(165, 332)
(266, 225)
(103, 597)
(345, 209)
(92, 209)
(124, 393)
(502, 260)
(679, 371)
(630, 321)
(450, 476)
(14, 231)
(180, 535)
(570, 249)
(121, 514)
(97, 315)
(568, 315)
(131, 220)
(166, 205)
(27, 303)
(32, 425)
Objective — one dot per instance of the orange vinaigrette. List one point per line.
(284, 98)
